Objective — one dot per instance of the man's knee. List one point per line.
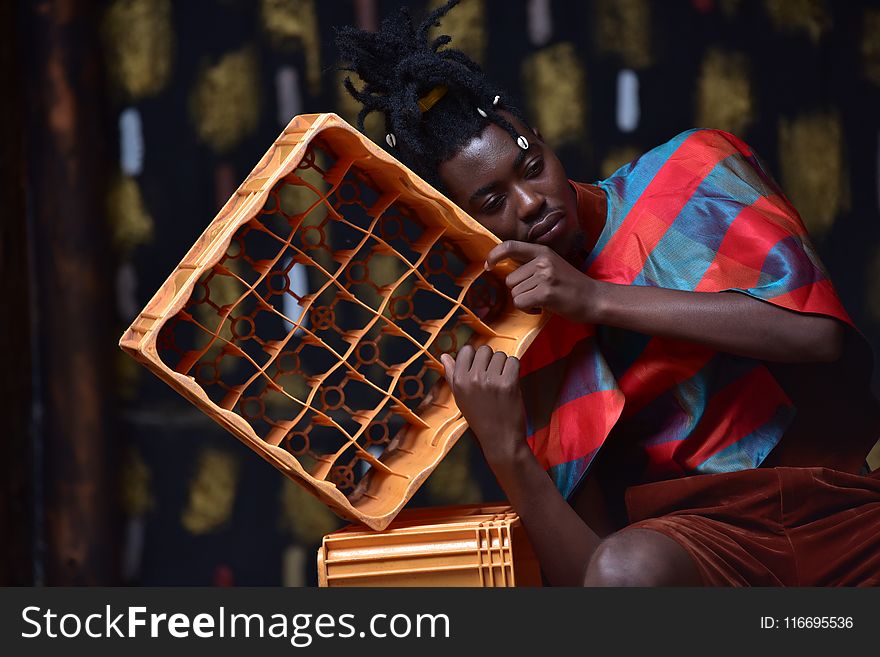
(640, 557)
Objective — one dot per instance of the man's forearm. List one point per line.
(732, 322)
(562, 540)
(486, 386)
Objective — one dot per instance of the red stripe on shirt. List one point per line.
(743, 251)
(576, 428)
(735, 141)
(556, 340)
(818, 297)
(732, 414)
(662, 365)
(624, 256)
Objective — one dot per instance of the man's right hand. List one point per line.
(486, 388)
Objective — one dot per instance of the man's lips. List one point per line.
(545, 225)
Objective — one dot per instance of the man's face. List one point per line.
(517, 194)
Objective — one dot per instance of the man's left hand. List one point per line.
(546, 280)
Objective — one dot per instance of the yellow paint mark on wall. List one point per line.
(225, 102)
(211, 492)
(139, 45)
(813, 173)
(623, 28)
(556, 91)
(292, 23)
(811, 17)
(466, 24)
(870, 45)
(724, 92)
(136, 497)
(130, 223)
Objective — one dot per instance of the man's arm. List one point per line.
(733, 323)
(486, 389)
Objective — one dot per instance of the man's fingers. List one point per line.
(465, 358)
(448, 368)
(482, 358)
(521, 252)
(528, 301)
(518, 275)
(526, 286)
(496, 365)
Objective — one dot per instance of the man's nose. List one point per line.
(531, 203)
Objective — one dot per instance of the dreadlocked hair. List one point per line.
(399, 66)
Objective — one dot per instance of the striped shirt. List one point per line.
(699, 213)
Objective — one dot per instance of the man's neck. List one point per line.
(591, 210)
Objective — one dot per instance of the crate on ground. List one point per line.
(470, 545)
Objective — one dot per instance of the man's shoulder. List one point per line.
(706, 145)
(708, 142)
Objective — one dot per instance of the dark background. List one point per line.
(107, 475)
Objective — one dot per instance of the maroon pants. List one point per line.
(770, 526)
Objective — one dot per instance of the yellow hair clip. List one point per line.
(430, 99)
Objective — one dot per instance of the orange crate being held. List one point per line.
(472, 545)
(310, 316)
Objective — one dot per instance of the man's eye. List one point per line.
(493, 204)
(535, 168)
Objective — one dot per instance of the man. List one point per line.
(712, 429)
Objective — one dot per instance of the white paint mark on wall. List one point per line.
(299, 285)
(540, 22)
(289, 95)
(131, 142)
(628, 111)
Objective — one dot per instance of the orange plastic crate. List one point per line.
(473, 545)
(309, 317)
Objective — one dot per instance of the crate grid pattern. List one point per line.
(323, 397)
(338, 372)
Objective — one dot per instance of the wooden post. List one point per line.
(73, 268)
